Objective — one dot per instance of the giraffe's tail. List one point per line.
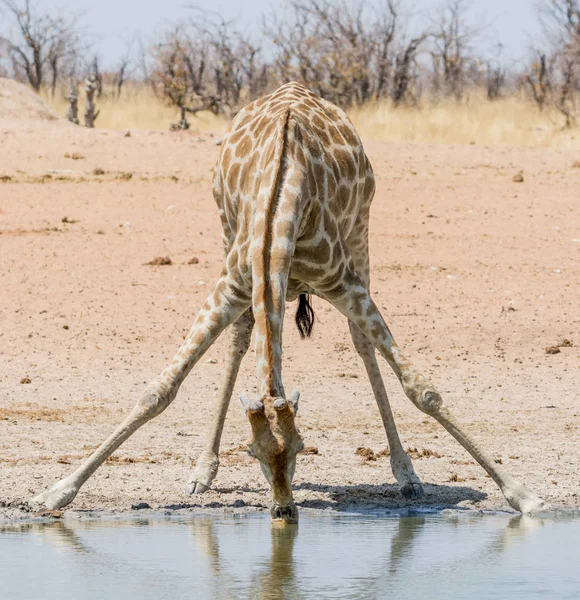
(277, 219)
(304, 316)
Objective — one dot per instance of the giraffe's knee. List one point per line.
(152, 403)
(430, 402)
(425, 397)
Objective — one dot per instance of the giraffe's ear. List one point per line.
(293, 400)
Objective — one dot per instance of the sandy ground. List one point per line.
(476, 275)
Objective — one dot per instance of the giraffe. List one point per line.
(293, 187)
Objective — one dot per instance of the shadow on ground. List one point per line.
(353, 497)
(346, 498)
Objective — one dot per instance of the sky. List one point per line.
(111, 23)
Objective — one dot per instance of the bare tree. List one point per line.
(171, 72)
(495, 76)
(566, 102)
(41, 42)
(256, 71)
(384, 35)
(452, 40)
(539, 79)
(335, 48)
(348, 52)
(64, 48)
(405, 72)
(561, 21)
(123, 70)
(302, 52)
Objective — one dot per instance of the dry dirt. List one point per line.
(477, 274)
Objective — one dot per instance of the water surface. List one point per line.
(338, 556)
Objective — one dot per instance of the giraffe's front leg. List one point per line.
(223, 306)
(206, 468)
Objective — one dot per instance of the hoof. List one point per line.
(204, 473)
(58, 496)
(413, 491)
(520, 499)
(195, 487)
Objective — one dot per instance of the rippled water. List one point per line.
(431, 556)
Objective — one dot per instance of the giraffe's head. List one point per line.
(275, 442)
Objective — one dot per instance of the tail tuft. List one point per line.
(304, 316)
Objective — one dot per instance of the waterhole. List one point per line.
(337, 556)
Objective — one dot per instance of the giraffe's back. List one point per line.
(338, 173)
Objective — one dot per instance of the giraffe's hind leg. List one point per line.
(409, 482)
(351, 297)
(224, 305)
(239, 336)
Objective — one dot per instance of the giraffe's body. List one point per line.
(293, 187)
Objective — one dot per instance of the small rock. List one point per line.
(140, 506)
(26, 380)
(552, 350)
(518, 178)
(74, 155)
(212, 361)
(127, 133)
(310, 450)
(69, 221)
(98, 171)
(193, 261)
(160, 261)
(65, 327)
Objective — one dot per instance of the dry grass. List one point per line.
(512, 121)
(138, 108)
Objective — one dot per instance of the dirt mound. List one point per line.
(20, 102)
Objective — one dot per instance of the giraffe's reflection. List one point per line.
(233, 561)
(402, 541)
(274, 579)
